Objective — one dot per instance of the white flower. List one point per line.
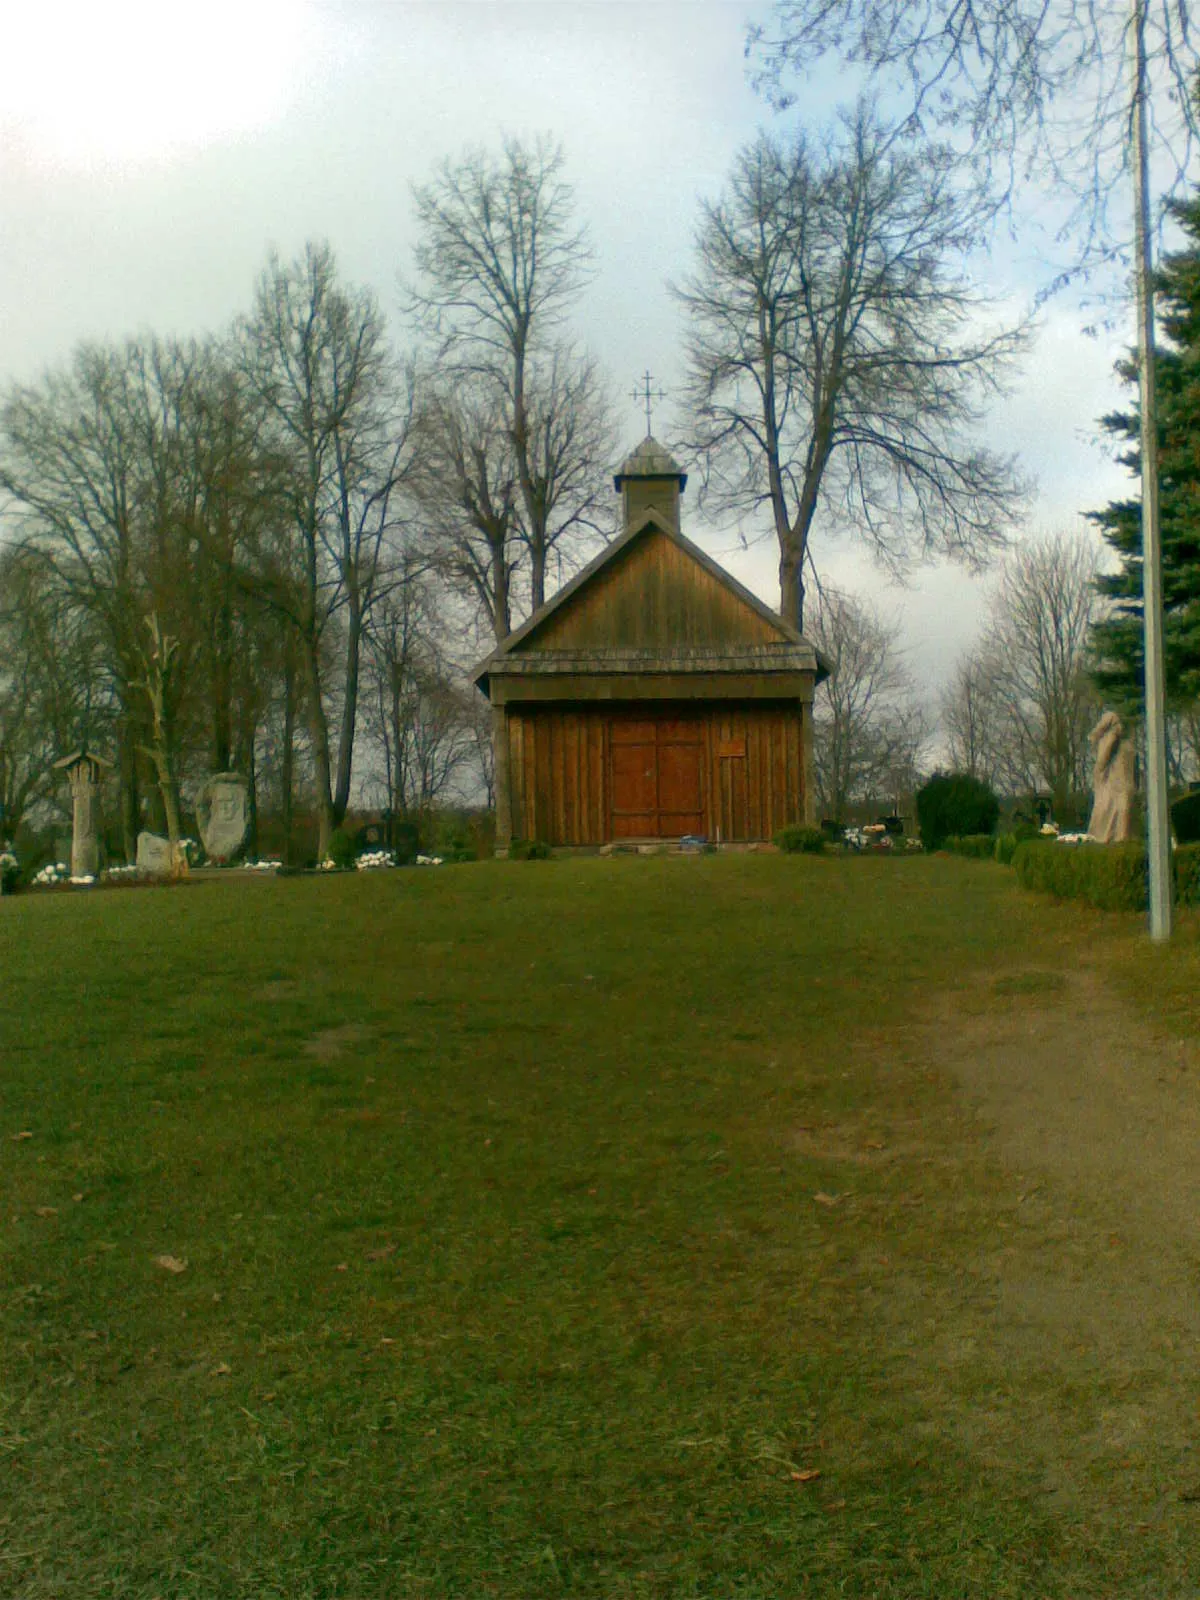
(428, 861)
(370, 860)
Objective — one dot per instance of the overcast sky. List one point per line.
(152, 153)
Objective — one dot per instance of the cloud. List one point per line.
(128, 82)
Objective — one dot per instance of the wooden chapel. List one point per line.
(653, 696)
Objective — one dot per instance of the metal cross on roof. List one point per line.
(646, 396)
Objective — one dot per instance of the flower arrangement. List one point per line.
(54, 872)
(372, 860)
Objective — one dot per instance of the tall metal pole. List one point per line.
(1158, 836)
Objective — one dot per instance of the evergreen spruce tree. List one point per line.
(1117, 640)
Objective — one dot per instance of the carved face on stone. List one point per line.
(222, 813)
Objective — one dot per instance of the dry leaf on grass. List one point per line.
(382, 1253)
(24, 1134)
(170, 1263)
(46, 1211)
(806, 1474)
(824, 1199)
(222, 1369)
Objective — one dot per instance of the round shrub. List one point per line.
(529, 850)
(342, 849)
(1185, 818)
(796, 839)
(955, 803)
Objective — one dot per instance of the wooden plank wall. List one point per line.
(559, 769)
(653, 594)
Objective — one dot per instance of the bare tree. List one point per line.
(866, 728)
(463, 481)
(1035, 652)
(51, 683)
(499, 263)
(1036, 88)
(418, 711)
(159, 683)
(97, 486)
(839, 356)
(320, 362)
(971, 715)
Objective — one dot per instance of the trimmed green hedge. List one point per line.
(978, 846)
(1186, 861)
(1110, 876)
(807, 841)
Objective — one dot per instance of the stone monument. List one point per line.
(223, 814)
(1112, 781)
(154, 855)
(84, 771)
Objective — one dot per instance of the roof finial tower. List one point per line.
(649, 480)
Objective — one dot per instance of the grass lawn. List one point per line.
(595, 1227)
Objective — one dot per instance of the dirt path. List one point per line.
(1075, 1332)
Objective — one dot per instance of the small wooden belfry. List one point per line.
(85, 772)
(653, 697)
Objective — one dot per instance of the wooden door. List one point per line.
(657, 777)
(633, 753)
(680, 777)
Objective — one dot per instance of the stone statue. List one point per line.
(223, 814)
(1112, 781)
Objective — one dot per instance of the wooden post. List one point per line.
(501, 779)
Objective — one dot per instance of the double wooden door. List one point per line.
(656, 777)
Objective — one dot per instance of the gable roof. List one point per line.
(788, 649)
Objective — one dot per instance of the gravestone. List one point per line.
(84, 771)
(223, 814)
(154, 855)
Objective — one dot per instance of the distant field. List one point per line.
(597, 1227)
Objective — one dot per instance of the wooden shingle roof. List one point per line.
(652, 602)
